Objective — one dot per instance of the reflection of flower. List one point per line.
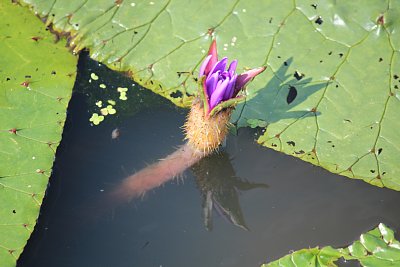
(220, 187)
(221, 84)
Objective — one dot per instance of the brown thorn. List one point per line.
(36, 38)
(25, 83)
(40, 171)
(380, 20)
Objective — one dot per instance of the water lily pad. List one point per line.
(373, 249)
(329, 95)
(36, 80)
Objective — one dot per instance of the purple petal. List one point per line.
(220, 66)
(204, 65)
(211, 83)
(218, 94)
(230, 88)
(218, 85)
(246, 77)
(232, 67)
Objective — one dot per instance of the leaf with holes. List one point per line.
(36, 79)
(376, 248)
(329, 95)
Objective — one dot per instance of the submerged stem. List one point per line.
(156, 174)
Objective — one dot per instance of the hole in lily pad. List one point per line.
(291, 95)
(319, 20)
(298, 75)
(380, 20)
(291, 143)
(176, 94)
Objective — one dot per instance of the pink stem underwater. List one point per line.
(156, 174)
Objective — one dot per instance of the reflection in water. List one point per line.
(215, 178)
(219, 187)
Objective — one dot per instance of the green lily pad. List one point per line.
(373, 249)
(36, 80)
(329, 95)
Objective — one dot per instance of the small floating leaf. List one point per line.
(104, 111)
(96, 119)
(94, 76)
(99, 103)
(111, 110)
(123, 96)
(122, 89)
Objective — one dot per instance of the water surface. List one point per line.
(303, 205)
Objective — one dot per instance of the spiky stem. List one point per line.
(203, 132)
(156, 174)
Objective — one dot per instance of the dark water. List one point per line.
(303, 206)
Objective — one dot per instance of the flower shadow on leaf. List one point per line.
(276, 100)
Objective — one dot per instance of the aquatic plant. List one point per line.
(220, 89)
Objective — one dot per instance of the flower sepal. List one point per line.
(203, 95)
(230, 103)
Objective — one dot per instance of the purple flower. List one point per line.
(222, 83)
